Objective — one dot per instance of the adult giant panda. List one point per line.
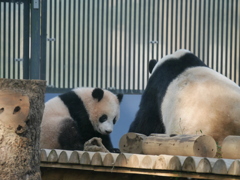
(71, 119)
(184, 96)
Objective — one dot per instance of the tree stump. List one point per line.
(21, 109)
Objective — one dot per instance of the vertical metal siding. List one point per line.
(108, 43)
(11, 39)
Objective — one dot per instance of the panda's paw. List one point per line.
(115, 150)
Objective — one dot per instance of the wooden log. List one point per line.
(148, 162)
(64, 156)
(75, 157)
(162, 135)
(168, 162)
(122, 160)
(44, 154)
(221, 166)
(189, 165)
(86, 158)
(97, 159)
(230, 147)
(141, 161)
(204, 166)
(212, 161)
(234, 169)
(183, 145)
(54, 155)
(131, 143)
(197, 164)
(21, 109)
(134, 160)
(110, 159)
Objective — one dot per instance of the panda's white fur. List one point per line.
(195, 100)
(199, 101)
(56, 112)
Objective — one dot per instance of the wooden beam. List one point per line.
(124, 172)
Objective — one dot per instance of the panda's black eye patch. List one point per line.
(114, 121)
(103, 118)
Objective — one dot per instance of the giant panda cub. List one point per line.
(184, 96)
(72, 118)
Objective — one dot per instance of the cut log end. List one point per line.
(230, 147)
(131, 143)
(205, 146)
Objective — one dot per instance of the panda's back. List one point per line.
(55, 108)
(204, 99)
(55, 113)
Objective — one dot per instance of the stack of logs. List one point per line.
(54, 158)
(182, 145)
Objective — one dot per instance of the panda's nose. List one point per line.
(108, 131)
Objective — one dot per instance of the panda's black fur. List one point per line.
(148, 118)
(74, 129)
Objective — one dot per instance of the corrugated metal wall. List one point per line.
(14, 26)
(108, 43)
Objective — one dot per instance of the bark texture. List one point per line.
(21, 109)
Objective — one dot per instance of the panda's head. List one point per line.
(103, 107)
(153, 64)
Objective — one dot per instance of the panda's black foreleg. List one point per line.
(106, 140)
(69, 136)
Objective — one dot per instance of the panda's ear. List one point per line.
(120, 97)
(151, 65)
(97, 94)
